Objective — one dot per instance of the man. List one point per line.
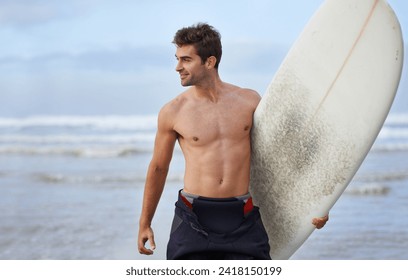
(211, 120)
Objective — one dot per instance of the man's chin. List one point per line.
(185, 84)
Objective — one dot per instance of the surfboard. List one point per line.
(321, 114)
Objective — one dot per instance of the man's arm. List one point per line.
(156, 178)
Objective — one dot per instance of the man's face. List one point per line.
(189, 65)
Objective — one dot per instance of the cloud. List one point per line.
(18, 13)
(125, 59)
(30, 12)
(247, 57)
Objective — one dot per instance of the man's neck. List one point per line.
(210, 89)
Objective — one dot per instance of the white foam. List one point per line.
(135, 122)
(368, 189)
(393, 133)
(397, 119)
(382, 176)
(59, 178)
(78, 139)
(390, 147)
(75, 151)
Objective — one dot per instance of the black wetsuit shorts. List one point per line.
(215, 229)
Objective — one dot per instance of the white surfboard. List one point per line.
(321, 114)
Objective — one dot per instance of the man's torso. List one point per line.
(215, 140)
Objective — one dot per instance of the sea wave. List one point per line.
(59, 178)
(397, 175)
(78, 139)
(134, 122)
(389, 147)
(368, 189)
(397, 119)
(389, 132)
(80, 152)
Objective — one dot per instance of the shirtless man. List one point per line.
(212, 121)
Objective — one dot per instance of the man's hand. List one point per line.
(146, 234)
(320, 222)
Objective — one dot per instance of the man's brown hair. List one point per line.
(205, 38)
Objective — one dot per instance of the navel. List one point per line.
(221, 181)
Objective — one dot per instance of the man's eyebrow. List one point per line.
(182, 57)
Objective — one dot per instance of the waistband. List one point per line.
(189, 199)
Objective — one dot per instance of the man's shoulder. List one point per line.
(245, 92)
(251, 93)
(248, 95)
(174, 106)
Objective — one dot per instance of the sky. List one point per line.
(94, 57)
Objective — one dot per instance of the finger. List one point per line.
(145, 251)
(152, 243)
(317, 223)
(142, 249)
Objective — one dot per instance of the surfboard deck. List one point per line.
(321, 114)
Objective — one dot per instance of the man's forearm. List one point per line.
(154, 186)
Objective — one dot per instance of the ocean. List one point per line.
(71, 188)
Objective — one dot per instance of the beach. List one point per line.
(71, 188)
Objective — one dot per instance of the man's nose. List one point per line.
(179, 66)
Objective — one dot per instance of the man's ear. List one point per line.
(211, 61)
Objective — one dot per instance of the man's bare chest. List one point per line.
(207, 126)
